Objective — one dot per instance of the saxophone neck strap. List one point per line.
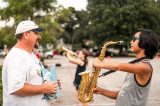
(132, 62)
(137, 60)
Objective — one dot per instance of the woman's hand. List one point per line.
(96, 62)
(97, 90)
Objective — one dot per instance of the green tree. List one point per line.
(24, 9)
(74, 23)
(117, 19)
(43, 12)
(7, 37)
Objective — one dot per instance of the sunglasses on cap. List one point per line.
(135, 38)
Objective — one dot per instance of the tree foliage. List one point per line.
(24, 9)
(7, 38)
(118, 19)
(103, 20)
(43, 12)
(74, 27)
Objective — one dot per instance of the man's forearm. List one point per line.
(29, 90)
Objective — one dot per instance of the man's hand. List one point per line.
(49, 87)
(59, 83)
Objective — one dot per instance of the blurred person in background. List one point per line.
(5, 50)
(81, 61)
(35, 51)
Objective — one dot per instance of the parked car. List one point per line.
(55, 52)
(49, 54)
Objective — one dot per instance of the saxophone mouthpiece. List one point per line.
(120, 42)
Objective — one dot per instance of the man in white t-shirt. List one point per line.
(21, 73)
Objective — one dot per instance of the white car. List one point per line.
(49, 54)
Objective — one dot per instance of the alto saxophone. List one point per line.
(88, 83)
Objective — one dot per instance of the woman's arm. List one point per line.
(105, 92)
(74, 60)
(138, 68)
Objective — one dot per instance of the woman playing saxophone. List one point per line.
(136, 87)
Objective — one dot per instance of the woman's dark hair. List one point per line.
(86, 53)
(148, 41)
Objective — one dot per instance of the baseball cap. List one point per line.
(27, 25)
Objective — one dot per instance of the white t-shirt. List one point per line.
(21, 67)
